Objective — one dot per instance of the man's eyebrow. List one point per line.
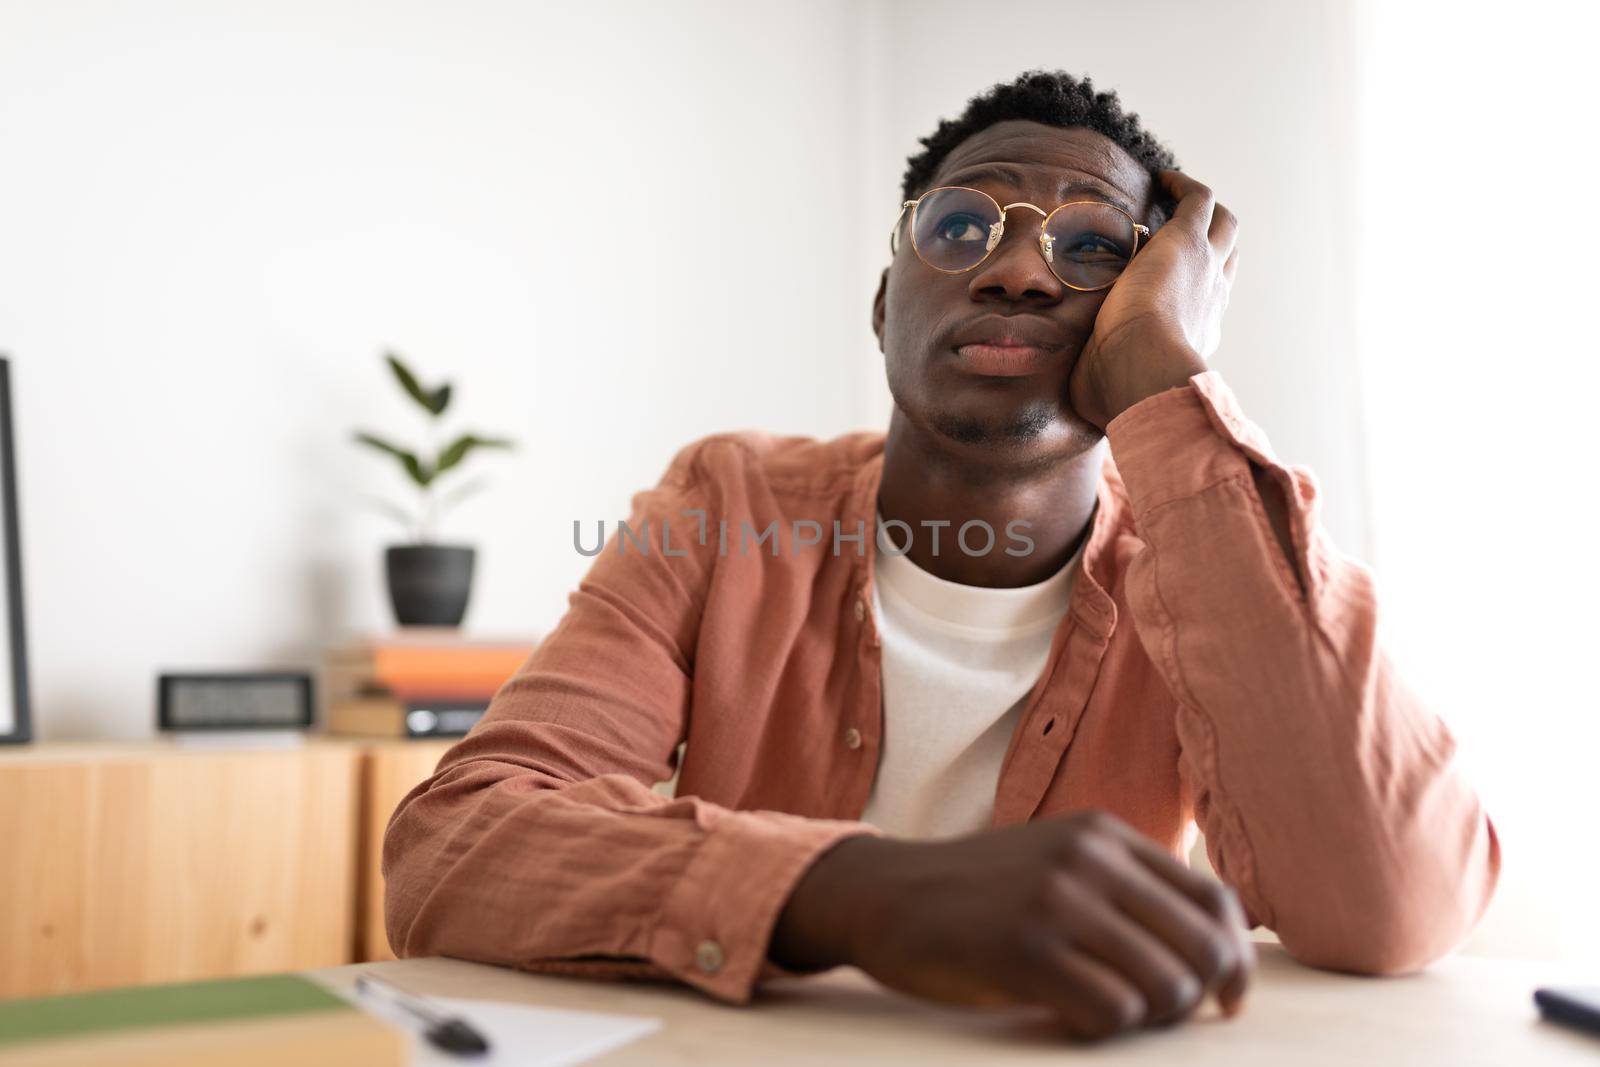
(1007, 175)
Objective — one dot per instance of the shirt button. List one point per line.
(708, 957)
(852, 738)
(861, 610)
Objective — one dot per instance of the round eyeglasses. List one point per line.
(1086, 243)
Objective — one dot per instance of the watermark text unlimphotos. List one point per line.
(975, 537)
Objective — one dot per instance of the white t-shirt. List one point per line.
(958, 664)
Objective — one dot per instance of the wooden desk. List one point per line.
(1464, 1011)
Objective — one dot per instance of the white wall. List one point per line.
(1482, 361)
(214, 216)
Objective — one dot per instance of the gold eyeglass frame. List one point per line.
(997, 230)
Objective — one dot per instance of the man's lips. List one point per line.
(1005, 359)
(1007, 346)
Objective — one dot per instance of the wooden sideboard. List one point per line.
(129, 863)
(388, 771)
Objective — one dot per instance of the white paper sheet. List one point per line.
(520, 1035)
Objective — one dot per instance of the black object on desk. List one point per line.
(234, 700)
(449, 1032)
(15, 724)
(1578, 1008)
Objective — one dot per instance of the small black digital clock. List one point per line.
(234, 700)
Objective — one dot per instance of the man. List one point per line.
(952, 698)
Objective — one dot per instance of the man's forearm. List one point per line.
(496, 862)
(1325, 789)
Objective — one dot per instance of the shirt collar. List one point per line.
(1091, 605)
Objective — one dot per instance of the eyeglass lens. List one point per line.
(1087, 244)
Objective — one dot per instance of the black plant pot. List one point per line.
(429, 584)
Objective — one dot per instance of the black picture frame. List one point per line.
(17, 727)
(168, 682)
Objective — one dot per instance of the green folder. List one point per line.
(143, 1006)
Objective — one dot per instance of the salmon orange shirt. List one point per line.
(1199, 676)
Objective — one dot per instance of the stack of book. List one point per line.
(417, 682)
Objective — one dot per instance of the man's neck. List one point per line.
(927, 479)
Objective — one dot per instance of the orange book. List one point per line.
(426, 664)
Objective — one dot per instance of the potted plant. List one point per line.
(429, 583)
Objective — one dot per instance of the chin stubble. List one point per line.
(1023, 427)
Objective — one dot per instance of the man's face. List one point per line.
(922, 315)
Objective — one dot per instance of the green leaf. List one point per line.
(453, 453)
(407, 380)
(380, 444)
(419, 474)
(433, 401)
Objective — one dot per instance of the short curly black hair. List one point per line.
(1051, 97)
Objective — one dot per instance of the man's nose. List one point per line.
(1016, 271)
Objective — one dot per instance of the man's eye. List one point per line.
(962, 228)
(1087, 247)
(1086, 244)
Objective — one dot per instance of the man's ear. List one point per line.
(878, 306)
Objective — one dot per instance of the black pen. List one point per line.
(451, 1033)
